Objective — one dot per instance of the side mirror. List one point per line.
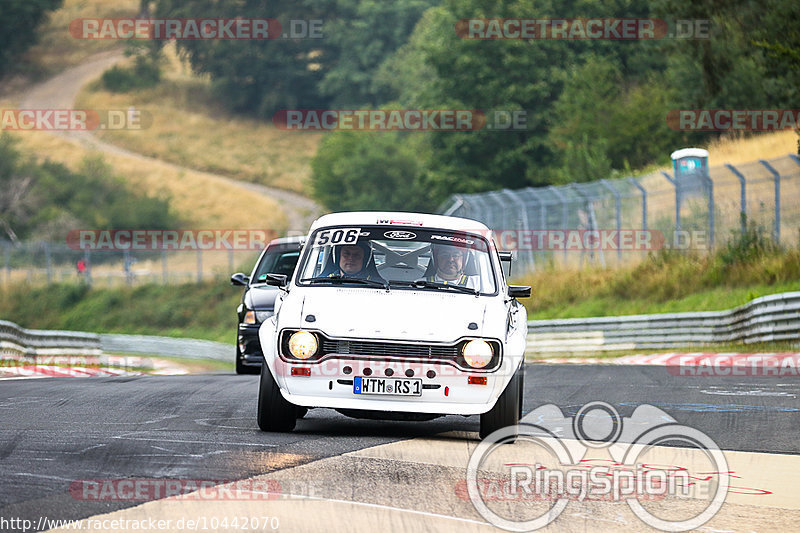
(277, 280)
(519, 291)
(506, 257)
(240, 279)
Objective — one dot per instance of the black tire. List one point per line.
(242, 368)
(300, 412)
(506, 411)
(274, 412)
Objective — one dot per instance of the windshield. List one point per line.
(276, 262)
(399, 257)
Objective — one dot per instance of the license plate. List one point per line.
(387, 386)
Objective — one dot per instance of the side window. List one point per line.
(285, 263)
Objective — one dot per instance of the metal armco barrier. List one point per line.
(167, 346)
(17, 341)
(773, 318)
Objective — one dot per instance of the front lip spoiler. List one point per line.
(374, 404)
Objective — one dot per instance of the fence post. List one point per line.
(743, 196)
(564, 214)
(577, 189)
(199, 265)
(710, 211)
(776, 232)
(677, 202)
(644, 201)
(618, 210)
(48, 262)
(126, 266)
(457, 202)
(7, 253)
(87, 258)
(523, 218)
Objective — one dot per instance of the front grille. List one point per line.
(387, 349)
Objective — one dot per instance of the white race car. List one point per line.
(395, 316)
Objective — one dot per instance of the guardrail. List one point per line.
(167, 346)
(17, 342)
(773, 318)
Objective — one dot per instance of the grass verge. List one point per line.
(746, 267)
(200, 311)
(203, 201)
(191, 128)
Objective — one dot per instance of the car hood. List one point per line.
(399, 314)
(261, 297)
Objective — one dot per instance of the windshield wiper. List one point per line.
(424, 284)
(341, 279)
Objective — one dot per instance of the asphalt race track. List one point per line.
(56, 431)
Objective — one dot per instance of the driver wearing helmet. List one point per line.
(354, 261)
(450, 262)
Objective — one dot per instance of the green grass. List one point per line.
(716, 299)
(202, 311)
(666, 282)
(746, 267)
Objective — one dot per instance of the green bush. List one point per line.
(144, 73)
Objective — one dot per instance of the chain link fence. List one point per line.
(46, 262)
(613, 222)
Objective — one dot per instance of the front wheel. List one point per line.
(506, 410)
(274, 412)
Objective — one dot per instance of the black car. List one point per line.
(258, 299)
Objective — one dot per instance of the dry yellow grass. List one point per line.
(746, 149)
(58, 50)
(201, 200)
(192, 130)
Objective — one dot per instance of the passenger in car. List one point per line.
(452, 265)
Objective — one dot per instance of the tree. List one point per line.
(370, 170)
(364, 35)
(18, 22)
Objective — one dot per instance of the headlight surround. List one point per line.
(303, 344)
(252, 318)
(261, 316)
(477, 353)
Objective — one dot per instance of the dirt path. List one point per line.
(61, 91)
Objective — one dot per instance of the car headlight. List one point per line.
(302, 344)
(256, 317)
(477, 353)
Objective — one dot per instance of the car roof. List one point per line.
(397, 218)
(286, 240)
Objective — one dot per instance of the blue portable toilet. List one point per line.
(690, 166)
